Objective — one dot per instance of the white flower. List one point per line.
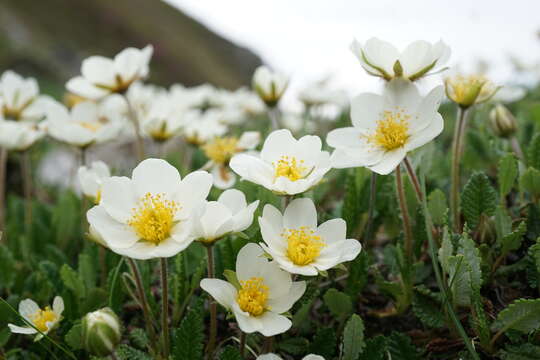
(509, 94)
(386, 127)
(162, 121)
(43, 319)
(319, 93)
(220, 150)
(84, 125)
(149, 215)
(285, 165)
(229, 214)
(263, 293)
(201, 97)
(382, 59)
(19, 136)
(200, 127)
(300, 246)
(468, 90)
(102, 76)
(91, 179)
(141, 96)
(269, 85)
(20, 99)
(272, 356)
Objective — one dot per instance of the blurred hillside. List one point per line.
(49, 39)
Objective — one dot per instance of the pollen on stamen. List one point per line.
(290, 168)
(392, 130)
(153, 219)
(252, 296)
(303, 245)
(42, 317)
(220, 150)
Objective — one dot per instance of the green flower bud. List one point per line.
(469, 90)
(502, 122)
(101, 332)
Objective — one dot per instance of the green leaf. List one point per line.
(324, 343)
(294, 345)
(87, 272)
(534, 253)
(438, 208)
(530, 182)
(401, 347)
(72, 281)
(232, 278)
(446, 250)
(358, 275)
(459, 280)
(507, 174)
(478, 198)
(512, 241)
(230, 353)
(189, 337)
(73, 337)
(472, 257)
(522, 315)
(503, 222)
(534, 152)
(125, 352)
(349, 210)
(427, 307)
(376, 349)
(139, 338)
(339, 303)
(353, 338)
(7, 268)
(520, 352)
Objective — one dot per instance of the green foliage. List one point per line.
(478, 198)
(427, 307)
(230, 353)
(7, 268)
(139, 338)
(534, 152)
(520, 352)
(126, 352)
(324, 343)
(438, 207)
(73, 337)
(400, 347)
(353, 338)
(339, 303)
(188, 339)
(294, 345)
(376, 349)
(522, 315)
(72, 281)
(530, 182)
(507, 173)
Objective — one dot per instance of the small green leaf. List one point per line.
(530, 182)
(401, 347)
(125, 352)
(427, 307)
(72, 281)
(472, 257)
(353, 338)
(232, 278)
(376, 349)
(534, 152)
(520, 352)
(522, 315)
(437, 206)
(324, 343)
(339, 303)
(230, 353)
(189, 337)
(294, 345)
(507, 173)
(512, 241)
(478, 198)
(73, 337)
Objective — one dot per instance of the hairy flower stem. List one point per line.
(142, 297)
(26, 173)
(3, 165)
(139, 143)
(517, 148)
(414, 179)
(165, 308)
(273, 113)
(457, 146)
(371, 209)
(407, 230)
(213, 305)
(242, 345)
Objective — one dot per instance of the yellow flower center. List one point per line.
(154, 218)
(42, 317)
(392, 130)
(92, 126)
(466, 89)
(290, 168)
(303, 246)
(220, 150)
(252, 296)
(97, 199)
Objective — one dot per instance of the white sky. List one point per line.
(310, 39)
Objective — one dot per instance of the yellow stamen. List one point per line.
(92, 126)
(97, 200)
(221, 150)
(303, 245)
(153, 220)
(252, 296)
(42, 317)
(392, 131)
(290, 168)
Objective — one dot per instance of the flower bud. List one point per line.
(101, 332)
(502, 122)
(269, 85)
(469, 90)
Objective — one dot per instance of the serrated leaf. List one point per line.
(376, 349)
(353, 338)
(459, 280)
(401, 347)
(358, 275)
(478, 198)
(125, 352)
(503, 222)
(534, 152)
(534, 253)
(446, 250)
(294, 345)
(520, 352)
(189, 337)
(72, 281)
(512, 241)
(438, 207)
(530, 182)
(522, 315)
(324, 343)
(507, 173)
(230, 353)
(339, 303)
(427, 308)
(139, 338)
(472, 257)
(73, 337)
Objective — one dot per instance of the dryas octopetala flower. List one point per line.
(300, 246)
(161, 122)
(285, 165)
(269, 85)
(386, 127)
(262, 293)
(102, 76)
(149, 215)
(44, 320)
(91, 179)
(468, 90)
(382, 59)
(19, 136)
(101, 332)
(84, 125)
(502, 122)
(229, 214)
(220, 150)
(272, 356)
(200, 127)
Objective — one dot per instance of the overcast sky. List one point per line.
(309, 39)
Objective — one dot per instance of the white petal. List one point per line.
(155, 176)
(284, 303)
(416, 57)
(381, 54)
(313, 357)
(401, 95)
(278, 143)
(426, 135)
(246, 322)
(277, 280)
(223, 177)
(366, 110)
(21, 330)
(253, 169)
(244, 218)
(348, 137)
(389, 161)
(114, 233)
(250, 262)
(194, 189)
(427, 110)
(58, 305)
(27, 308)
(119, 198)
(249, 140)
(272, 236)
(82, 87)
(332, 230)
(99, 70)
(273, 324)
(234, 200)
(300, 212)
(223, 292)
